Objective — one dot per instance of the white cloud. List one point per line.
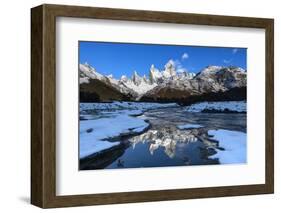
(227, 61)
(181, 70)
(234, 51)
(178, 66)
(184, 56)
(172, 62)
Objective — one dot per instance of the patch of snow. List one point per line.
(239, 106)
(84, 80)
(90, 72)
(239, 69)
(235, 146)
(189, 126)
(113, 81)
(141, 87)
(124, 78)
(107, 127)
(210, 69)
(91, 147)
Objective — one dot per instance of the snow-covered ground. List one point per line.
(239, 106)
(116, 105)
(189, 126)
(93, 133)
(235, 146)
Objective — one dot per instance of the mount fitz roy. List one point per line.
(213, 83)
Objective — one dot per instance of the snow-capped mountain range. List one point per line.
(166, 83)
(136, 85)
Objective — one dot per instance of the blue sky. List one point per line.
(122, 58)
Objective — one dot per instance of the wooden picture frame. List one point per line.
(43, 105)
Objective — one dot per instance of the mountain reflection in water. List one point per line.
(169, 138)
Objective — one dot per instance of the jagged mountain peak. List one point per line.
(135, 86)
(211, 69)
(170, 69)
(136, 78)
(214, 69)
(124, 78)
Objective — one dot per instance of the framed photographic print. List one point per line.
(136, 106)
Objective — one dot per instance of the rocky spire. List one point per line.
(144, 78)
(154, 74)
(170, 69)
(136, 78)
(151, 72)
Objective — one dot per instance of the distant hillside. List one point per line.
(185, 98)
(96, 91)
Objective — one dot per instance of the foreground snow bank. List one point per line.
(125, 105)
(93, 133)
(238, 106)
(235, 146)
